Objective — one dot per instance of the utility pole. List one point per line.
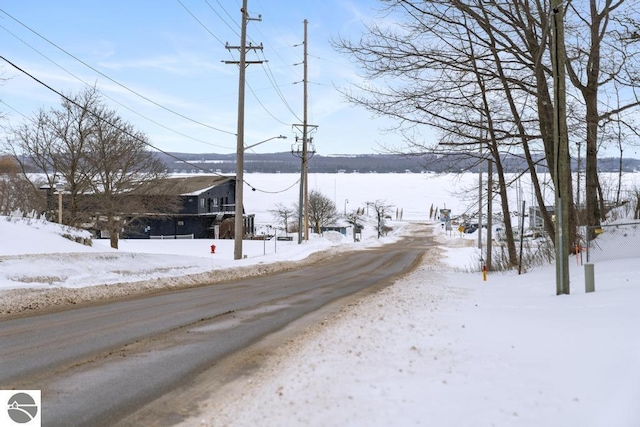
(243, 63)
(561, 140)
(480, 191)
(303, 202)
(489, 257)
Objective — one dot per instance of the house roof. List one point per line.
(192, 185)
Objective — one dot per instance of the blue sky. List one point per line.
(171, 52)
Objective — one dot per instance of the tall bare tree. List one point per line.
(100, 158)
(283, 214)
(116, 162)
(381, 210)
(479, 73)
(602, 64)
(16, 193)
(54, 143)
(355, 219)
(322, 211)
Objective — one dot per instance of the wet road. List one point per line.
(97, 364)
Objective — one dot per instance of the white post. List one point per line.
(589, 279)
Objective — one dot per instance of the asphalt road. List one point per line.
(98, 364)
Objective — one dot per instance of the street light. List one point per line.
(275, 236)
(345, 206)
(247, 147)
(59, 189)
(239, 220)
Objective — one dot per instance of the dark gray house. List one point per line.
(205, 209)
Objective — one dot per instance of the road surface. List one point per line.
(100, 364)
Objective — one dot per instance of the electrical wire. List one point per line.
(273, 192)
(109, 97)
(234, 30)
(114, 81)
(275, 85)
(251, 90)
(125, 131)
(201, 23)
(113, 125)
(267, 69)
(263, 106)
(14, 110)
(225, 11)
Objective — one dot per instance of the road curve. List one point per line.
(97, 364)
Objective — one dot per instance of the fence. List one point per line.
(614, 241)
(173, 236)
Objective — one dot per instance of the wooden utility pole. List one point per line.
(243, 48)
(303, 169)
(561, 140)
(303, 202)
(489, 257)
(480, 190)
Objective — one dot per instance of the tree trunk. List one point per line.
(114, 231)
(506, 212)
(592, 208)
(489, 215)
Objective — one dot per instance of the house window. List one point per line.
(202, 203)
(180, 222)
(215, 202)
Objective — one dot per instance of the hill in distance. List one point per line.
(285, 162)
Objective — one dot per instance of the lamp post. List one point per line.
(247, 147)
(275, 238)
(59, 189)
(239, 221)
(345, 206)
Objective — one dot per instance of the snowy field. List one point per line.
(441, 347)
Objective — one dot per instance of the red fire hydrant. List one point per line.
(213, 249)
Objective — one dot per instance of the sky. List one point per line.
(441, 344)
(160, 65)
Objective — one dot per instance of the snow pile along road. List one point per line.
(444, 348)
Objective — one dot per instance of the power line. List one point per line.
(66, 98)
(268, 72)
(109, 97)
(263, 106)
(123, 130)
(234, 30)
(273, 192)
(275, 85)
(228, 14)
(201, 23)
(14, 110)
(252, 91)
(114, 81)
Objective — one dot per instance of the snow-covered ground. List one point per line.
(39, 268)
(441, 347)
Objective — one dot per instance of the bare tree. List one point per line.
(16, 193)
(635, 196)
(606, 59)
(354, 218)
(381, 210)
(439, 69)
(100, 159)
(322, 211)
(54, 144)
(282, 213)
(31, 145)
(479, 73)
(117, 161)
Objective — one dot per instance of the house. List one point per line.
(205, 209)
